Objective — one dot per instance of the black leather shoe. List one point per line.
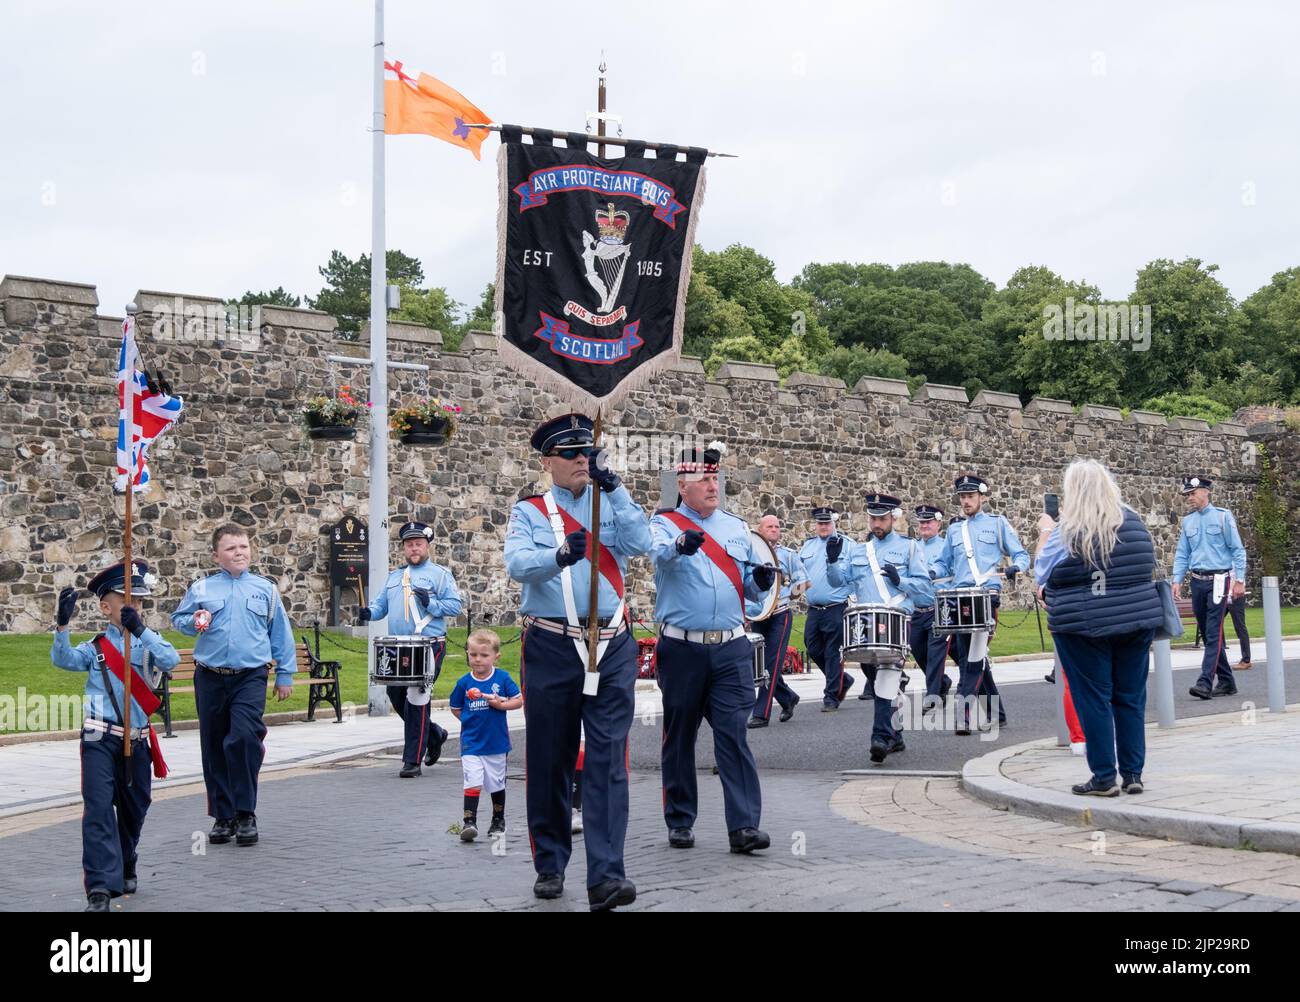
(748, 840)
(962, 729)
(868, 694)
(878, 751)
(1093, 788)
(1200, 691)
(1050, 678)
(788, 712)
(896, 746)
(409, 770)
(849, 683)
(97, 901)
(681, 838)
(549, 885)
(246, 829)
(829, 706)
(755, 723)
(1225, 689)
(611, 894)
(1132, 784)
(129, 885)
(439, 738)
(223, 830)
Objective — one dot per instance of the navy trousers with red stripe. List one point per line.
(823, 636)
(558, 718)
(231, 730)
(775, 631)
(712, 682)
(417, 727)
(112, 812)
(1209, 616)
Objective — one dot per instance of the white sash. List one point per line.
(566, 581)
(412, 607)
(979, 577)
(879, 575)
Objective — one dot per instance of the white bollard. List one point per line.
(1163, 683)
(1273, 644)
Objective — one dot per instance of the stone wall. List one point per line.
(240, 453)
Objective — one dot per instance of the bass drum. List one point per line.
(767, 555)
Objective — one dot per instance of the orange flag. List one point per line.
(428, 106)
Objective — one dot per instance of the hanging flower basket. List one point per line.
(430, 422)
(332, 420)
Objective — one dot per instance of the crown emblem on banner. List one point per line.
(613, 225)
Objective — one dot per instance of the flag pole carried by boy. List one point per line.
(145, 410)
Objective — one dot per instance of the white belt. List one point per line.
(577, 632)
(93, 724)
(701, 636)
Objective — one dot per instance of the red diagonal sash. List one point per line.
(724, 560)
(140, 692)
(608, 565)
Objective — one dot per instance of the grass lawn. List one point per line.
(25, 661)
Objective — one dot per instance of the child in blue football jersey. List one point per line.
(480, 701)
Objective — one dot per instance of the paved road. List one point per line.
(836, 847)
(815, 741)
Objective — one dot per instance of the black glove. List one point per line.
(599, 468)
(764, 576)
(132, 622)
(364, 615)
(689, 541)
(573, 550)
(934, 575)
(1011, 572)
(67, 605)
(891, 572)
(833, 547)
(422, 596)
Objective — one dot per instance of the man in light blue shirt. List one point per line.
(823, 630)
(973, 551)
(887, 569)
(113, 809)
(929, 648)
(242, 628)
(547, 547)
(417, 598)
(1210, 547)
(705, 569)
(775, 629)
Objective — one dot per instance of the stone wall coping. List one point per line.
(297, 318)
(1048, 404)
(938, 391)
(398, 330)
(797, 380)
(689, 363)
(478, 341)
(881, 386)
(1146, 417)
(753, 371)
(146, 299)
(48, 290)
(1228, 427)
(1101, 412)
(1189, 424)
(993, 398)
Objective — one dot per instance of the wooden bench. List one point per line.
(1185, 613)
(321, 676)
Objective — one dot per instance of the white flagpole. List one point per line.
(378, 698)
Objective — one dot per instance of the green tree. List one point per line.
(851, 364)
(346, 295)
(428, 308)
(1193, 405)
(1196, 327)
(1272, 337)
(276, 297)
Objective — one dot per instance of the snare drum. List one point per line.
(875, 634)
(963, 610)
(759, 651)
(405, 661)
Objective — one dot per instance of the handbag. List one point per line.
(1172, 627)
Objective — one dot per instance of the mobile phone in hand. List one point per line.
(1052, 505)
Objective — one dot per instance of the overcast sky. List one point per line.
(215, 147)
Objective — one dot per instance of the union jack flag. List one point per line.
(144, 413)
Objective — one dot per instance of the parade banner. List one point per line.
(594, 258)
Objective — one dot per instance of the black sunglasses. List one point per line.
(571, 453)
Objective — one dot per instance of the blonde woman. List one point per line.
(1096, 568)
